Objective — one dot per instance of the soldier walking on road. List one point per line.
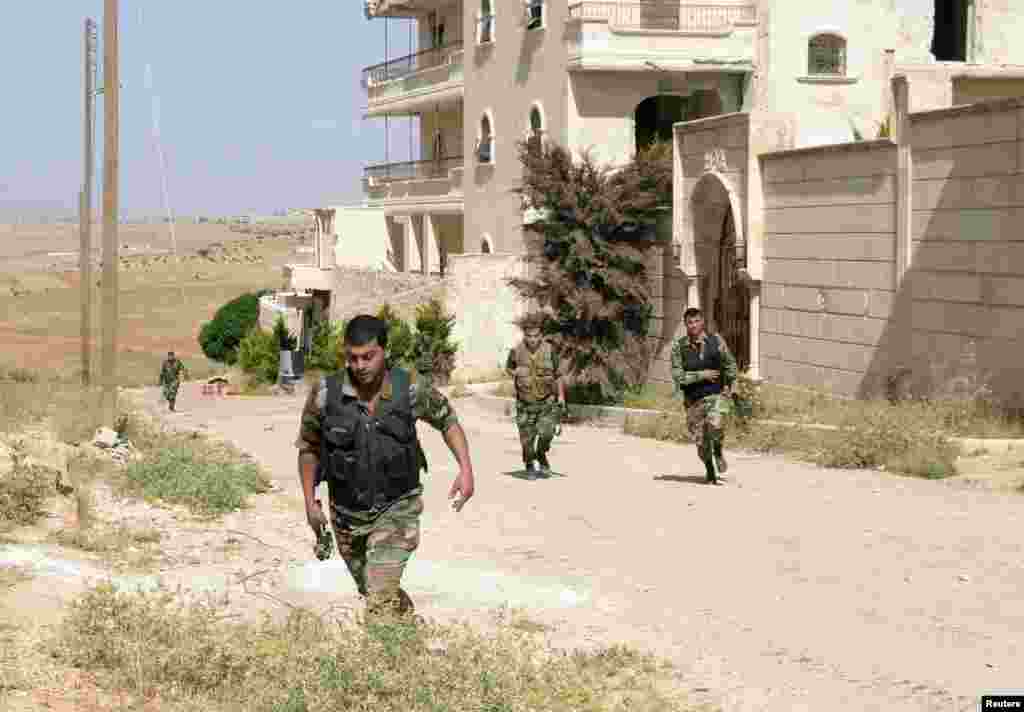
(170, 378)
(540, 394)
(704, 369)
(359, 427)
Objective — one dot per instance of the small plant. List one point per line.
(259, 355)
(326, 348)
(885, 127)
(400, 337)
(433, 347)
(221, 337)
(25, 490)
(284, 338)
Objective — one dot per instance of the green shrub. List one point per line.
(284, 338)
(433, 343)
(220, 338)
(400, 337)
(325, 353)
(259, 355)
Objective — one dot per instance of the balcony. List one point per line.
(432, 183)
(429, 76)
(681, 35)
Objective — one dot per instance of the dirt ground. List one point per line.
(792, 588)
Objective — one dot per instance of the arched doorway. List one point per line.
(721, 254)
(654, 117)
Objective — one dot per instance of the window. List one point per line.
(485, 144)
(486, 23)
(534, 14)
(535, 135)
(826, 54)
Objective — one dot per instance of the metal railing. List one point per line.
(410, 64)
(413, 170)
(663, 15)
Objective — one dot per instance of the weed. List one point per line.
(151, 644)
(118, 544)
(25, 490)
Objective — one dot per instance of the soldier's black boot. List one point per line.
(720, 461)
(545, 466)
(707, 455)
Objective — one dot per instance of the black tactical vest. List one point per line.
(370, 461)
(712, 361)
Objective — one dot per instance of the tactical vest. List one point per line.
(536, 378)
(712, 361)
(370, 461)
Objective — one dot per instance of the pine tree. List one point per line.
(590, 245)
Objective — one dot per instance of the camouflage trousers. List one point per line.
(377, 552)
(170, 392)
(704, 421)
(537, 423)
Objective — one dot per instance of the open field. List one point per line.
(163, 304)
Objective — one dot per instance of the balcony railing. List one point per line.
(413, 170)
(663, 15)
(410, 64)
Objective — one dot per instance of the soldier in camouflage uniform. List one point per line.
(358, 427)
(540, 394)
(170, 378)
(704, 369)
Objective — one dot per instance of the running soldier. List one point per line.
(704, 369)
(540, 394)
(359, 425)
(170, 378)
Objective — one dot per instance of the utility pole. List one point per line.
(111, 93)
(85, 217)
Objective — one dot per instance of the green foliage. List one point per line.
(399, 351)
(221, 337)
(259, 355)
(434, 348)
(284, 338)
(326, 351)
(591, 245)
(205, 483)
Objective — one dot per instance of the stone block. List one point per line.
(831, 246)
(879, 219)
(968, 193)
(1005, 291)
(971, 161)
(966, 129)
(944, 286)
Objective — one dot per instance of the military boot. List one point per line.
(545, 466)
(707, 455)
(720, 461)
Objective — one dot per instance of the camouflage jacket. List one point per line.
(682, 378)
(428, 404)
(536, 374)
(171, 371)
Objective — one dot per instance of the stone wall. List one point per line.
(362, 290)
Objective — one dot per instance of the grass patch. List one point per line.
(205, 483)
(151, 645)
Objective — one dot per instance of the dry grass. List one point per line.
(124, 548)
(193, 658)
(11, 576)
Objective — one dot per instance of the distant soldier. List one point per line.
(540, 393)
(171, 373)
(358, 428)
(704, 369)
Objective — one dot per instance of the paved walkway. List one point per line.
(793, 588)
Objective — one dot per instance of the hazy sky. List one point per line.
(259, 103)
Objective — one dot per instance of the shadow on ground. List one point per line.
(524, 475)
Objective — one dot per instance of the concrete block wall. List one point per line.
(829, 270)
(961, 301)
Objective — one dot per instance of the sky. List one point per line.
(258, 105)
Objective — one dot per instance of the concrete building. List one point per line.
(613, 75)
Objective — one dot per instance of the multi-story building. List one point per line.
(477, 76)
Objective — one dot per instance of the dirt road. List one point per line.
(794, 588)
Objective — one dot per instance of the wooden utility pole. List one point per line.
(85, 201)
(111, 92)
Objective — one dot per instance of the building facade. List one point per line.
(477, 76)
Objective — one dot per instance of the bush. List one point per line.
(325, 353)
(284, 338)
(399, 351)
(433, 343)
(259, 355)
(24, 491)
(591, 246)
(221, 337)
